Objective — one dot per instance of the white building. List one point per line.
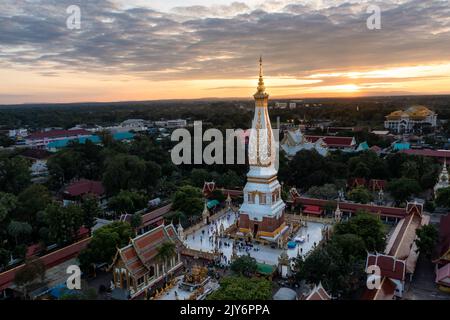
(294, 141)
(409, 120)
(177, 123)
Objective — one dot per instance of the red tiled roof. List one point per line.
(318, 293)
(353, 207)
(376, 184)
(386, 291)
(58, 134)
(356, 182)
(332, 141)
(155, 215)
(428, 153)
(83, 187)
(389, 266)
(209, 187)
(50, 260)
(138, 255)
(444, 235)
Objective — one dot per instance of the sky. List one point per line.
(184, 49)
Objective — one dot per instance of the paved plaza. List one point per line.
(202, 240)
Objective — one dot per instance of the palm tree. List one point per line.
(166, 251)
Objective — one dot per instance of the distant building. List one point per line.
(43, 138)
(171, 124)
(292, 105)
(281, 105)
(294, 141)
(410, 120)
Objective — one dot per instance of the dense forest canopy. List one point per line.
(224, 113)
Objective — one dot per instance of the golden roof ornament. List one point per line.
(261, 89)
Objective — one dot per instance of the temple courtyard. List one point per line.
(203, 240)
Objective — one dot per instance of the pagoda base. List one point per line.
(270, 229)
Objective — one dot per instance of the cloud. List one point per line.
(296, 38)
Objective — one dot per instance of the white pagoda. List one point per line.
(262, 212)
(443, 179)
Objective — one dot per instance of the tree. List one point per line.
(136, 220)
(242, 288)
(33, 271)
(427, 237)
(188, 200)
(368, 227)
(64, 223)
(33, 199)
(327, 192)
(307, 169)
(403, 188)
(4, 257)
(166, 251)
(123, 172)
(14, 174)
(443, 197)
(104, 243)
(244, 266)
(91, 210)
(127, 172)
(18, 230)
(127, 202)
(199, 176)
(360, 195)
(229, 179)
(218, 195)
(8, 203)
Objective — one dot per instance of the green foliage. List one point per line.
(199, 176)
(14, 174)
(403, 188)
(127, 172)
(63, 222)
(4, 257)
(166, 251)
(105, 240)
(242, 288)
(443, 197)
(360, 194)
(75, 162)
(136, 220)
(8, 203)
(18, 230)
(427, 238)
(327, 192)
(91, 210)
(368, 227)
(218, 195)
(244, 266)
(127, 202)
(33, 271)
(33, 199)
(188, 200)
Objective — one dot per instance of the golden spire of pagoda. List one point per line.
(261, 88)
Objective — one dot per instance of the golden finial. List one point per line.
(261, 88)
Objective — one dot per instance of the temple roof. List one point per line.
(139, 255)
